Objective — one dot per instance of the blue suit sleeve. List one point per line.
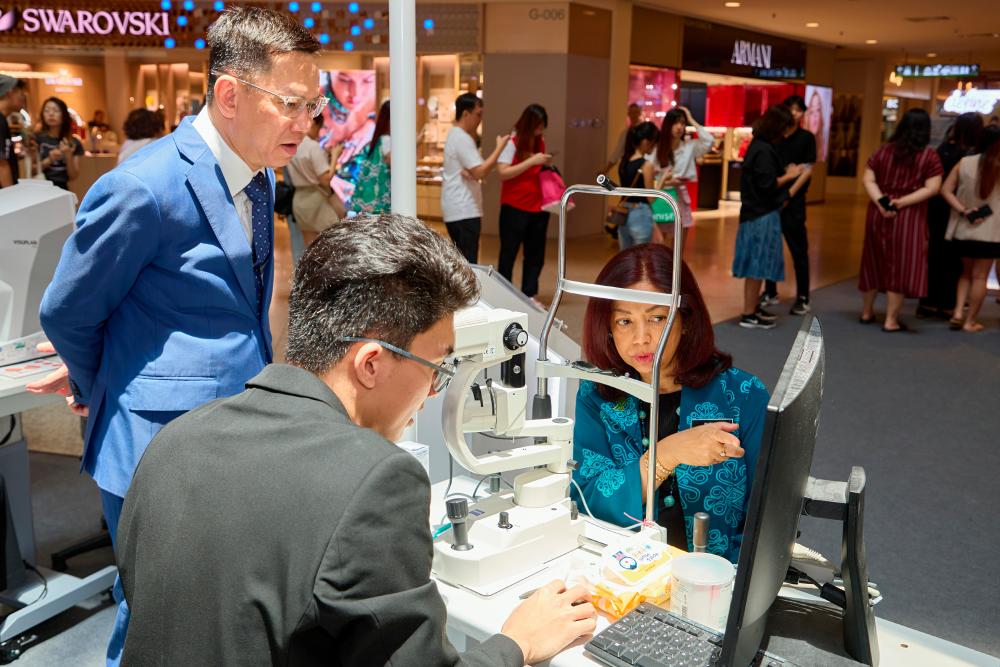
(117, 234)
(612, 489)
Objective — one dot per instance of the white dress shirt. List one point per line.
(235, 171)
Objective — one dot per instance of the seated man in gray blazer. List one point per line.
(282, 526)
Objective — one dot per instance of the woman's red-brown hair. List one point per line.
(697, 358)
(989, 170)
(533, 117)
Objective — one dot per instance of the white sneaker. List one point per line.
(766, 300)
(754, 322)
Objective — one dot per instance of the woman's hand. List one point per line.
(657, 237)
(540, 159)
(700, 446)
(794, 170)
(884, 213)
(56, 155)
(897, 203)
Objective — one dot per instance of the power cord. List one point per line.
(10, 431)
(45, 582)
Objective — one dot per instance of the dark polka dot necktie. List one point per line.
(261, 215)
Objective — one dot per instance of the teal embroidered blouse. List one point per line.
(608, 441)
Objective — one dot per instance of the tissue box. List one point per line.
(420, 452)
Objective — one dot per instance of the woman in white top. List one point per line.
(972, 189)
(675, 161)
(142, 127)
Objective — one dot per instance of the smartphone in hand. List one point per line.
(886, 203)
(983, 211)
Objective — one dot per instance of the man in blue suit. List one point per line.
(160, 300)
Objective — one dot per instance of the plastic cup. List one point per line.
(702, 588)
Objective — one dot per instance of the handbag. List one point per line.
(284, 192)
(618, 214)
(662, 211)
(553, 187)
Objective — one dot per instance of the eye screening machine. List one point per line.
(492, 548)
(507, 535)
(36, 218)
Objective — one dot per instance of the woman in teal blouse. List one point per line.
(711, 414)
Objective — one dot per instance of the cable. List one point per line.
(451, 474)
(589, 513)
(582, 499)
(511, 438)
(475, 491)
(45, 582)
(10, 431)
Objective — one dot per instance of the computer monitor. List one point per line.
(779, 488)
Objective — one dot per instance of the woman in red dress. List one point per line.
(900, 177)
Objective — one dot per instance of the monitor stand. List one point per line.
(848, 595)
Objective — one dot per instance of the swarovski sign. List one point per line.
(84, 22)
(751, 54)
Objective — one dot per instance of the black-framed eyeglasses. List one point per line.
(291, 105)
(443, 373)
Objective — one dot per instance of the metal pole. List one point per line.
(403, 103)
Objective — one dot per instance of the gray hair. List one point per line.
(386, 277)
(243, 40)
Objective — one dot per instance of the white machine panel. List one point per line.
(36, 218)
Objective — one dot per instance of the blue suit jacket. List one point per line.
(153, 306)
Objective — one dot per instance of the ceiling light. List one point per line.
(932, 55)
(732, 5)
(871, 41)
(812, 24)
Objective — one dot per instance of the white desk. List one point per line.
(14, 399)
(471, 616)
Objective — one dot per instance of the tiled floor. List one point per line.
(836, 232)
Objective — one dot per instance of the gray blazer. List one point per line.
(269, 529)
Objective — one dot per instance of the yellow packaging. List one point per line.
(633, 572)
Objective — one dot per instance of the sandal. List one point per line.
(900, 327)
(956, 323)
(866, 320)
(974, 327)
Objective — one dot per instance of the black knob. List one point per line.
(458, 508)
(515, 337)
(504, 521)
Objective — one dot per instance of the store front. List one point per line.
(117, 56)
(729, 78)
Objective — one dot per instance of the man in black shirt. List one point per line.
(799, 147)
(13, 97)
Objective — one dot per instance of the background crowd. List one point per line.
(931, 229)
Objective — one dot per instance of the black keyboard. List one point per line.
(650, 636)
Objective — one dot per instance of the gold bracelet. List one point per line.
(660, 473)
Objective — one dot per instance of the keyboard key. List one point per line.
(631, 656)
(600, 641)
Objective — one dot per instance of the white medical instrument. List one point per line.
(510, 534)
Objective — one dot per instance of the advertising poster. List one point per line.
(819, 110)
(348, 121)
(845, 135)
(654, 90)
